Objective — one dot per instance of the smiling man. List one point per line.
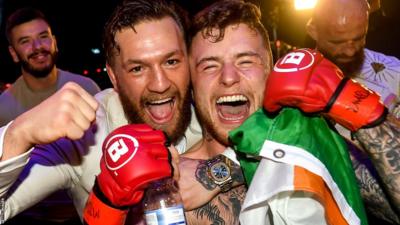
(229, 67)
(33, 47)
(146, 61)
(230, 59)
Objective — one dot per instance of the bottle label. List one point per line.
(166, 216)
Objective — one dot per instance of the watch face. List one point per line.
(220, 171)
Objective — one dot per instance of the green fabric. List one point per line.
(312, 134)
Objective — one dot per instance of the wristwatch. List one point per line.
(219, 171)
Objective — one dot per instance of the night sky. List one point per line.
(78, 27)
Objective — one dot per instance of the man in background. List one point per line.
(339, 29)
(33, 47)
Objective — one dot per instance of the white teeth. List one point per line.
(162, 101)
(230, 118)
(232, 98)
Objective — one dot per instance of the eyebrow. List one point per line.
(354, 39)
(206, 59)
(239, 55)
(25, 37)
(166, 56)
(248, 53)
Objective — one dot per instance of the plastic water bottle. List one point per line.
(162, 204)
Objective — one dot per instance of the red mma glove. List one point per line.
(306, 80)
(133, 156)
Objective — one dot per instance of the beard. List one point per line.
(209, 128)
(39, 72)
(349, 69)
(136, 114)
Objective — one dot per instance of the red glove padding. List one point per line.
(133, 156)
(305, 79)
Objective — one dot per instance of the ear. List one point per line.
(112, 77)
(55, 42)
(13, 54)
(312, 29)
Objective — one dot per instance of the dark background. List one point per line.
(78, 28)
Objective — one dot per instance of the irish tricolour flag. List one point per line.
(305, 155)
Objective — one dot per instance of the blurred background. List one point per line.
(78, 28)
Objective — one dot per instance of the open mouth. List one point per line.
(234, 108)
(161, 111)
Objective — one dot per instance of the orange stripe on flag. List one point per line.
(304, 180)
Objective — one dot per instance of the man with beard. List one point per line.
(230, 59)
(34, 48)
(133, 52)
(339, 29)
(146, 60)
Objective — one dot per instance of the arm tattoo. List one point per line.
(203, 178)
(223, 209)
(382, 143)
(373, 196)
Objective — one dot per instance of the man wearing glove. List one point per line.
(228, 80)
(83, 155)
(147, 64)
(321, 89)
(230, 60)
(339, 29)
(216, 70)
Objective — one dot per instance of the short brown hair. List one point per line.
(224, 13)
(21, 16)
(131, 12)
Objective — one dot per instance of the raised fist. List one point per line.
(304, 79)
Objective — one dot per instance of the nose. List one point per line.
(37, 43)
(229, 75)
(159, 82)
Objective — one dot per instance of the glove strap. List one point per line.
(98, 213)
(354, 106)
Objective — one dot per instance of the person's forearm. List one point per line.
(374, 197)
(382, 144)
(196, 188)
(14, 143)
(205, 180)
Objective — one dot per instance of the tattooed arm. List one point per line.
(222, 209)
(382, 143)
(374, 198)
(225, 207)
(195, 187)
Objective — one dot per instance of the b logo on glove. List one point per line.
(304, 79)
(295, 61)
(117, 148)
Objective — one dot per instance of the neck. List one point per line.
(39, 84)
(206, 148)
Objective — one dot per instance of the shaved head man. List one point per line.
(339, 28)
